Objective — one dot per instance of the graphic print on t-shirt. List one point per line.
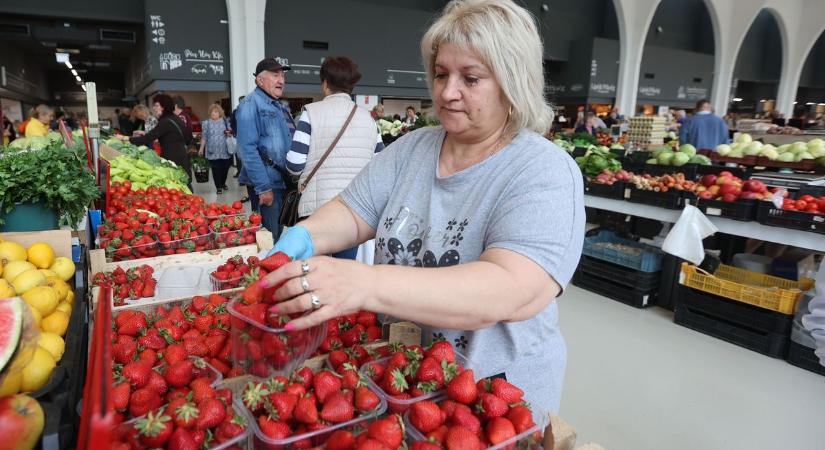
(409, 227)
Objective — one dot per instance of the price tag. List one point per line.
(627, 193)
(406, 333)
(713, 212)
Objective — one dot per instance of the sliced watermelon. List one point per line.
(11, 325)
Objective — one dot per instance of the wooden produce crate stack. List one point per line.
(647, 132)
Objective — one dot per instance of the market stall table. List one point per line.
(754, 230)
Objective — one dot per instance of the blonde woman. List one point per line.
(491, 209)
(213, 145)
(147, 120)
(39, 122)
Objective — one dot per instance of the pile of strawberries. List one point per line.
(132, 284)
(307, 403)
(200, 417)
(347, 331)
(215, 211)
(234, 272)
(414, 372)
(475, 416)
(131, 234)
(167, 203)
(185, 236)
(231, 231)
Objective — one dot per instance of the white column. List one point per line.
(246, 43)
(634, 18)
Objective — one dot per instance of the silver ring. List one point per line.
(304, 267)
(305, 284)
(316, 302)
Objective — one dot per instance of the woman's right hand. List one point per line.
(138, 133)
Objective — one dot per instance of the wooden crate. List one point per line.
(207, 259)
(60, 240)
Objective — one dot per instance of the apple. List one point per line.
(754, 186)
(706, 195)
(21, 421)
(728, 198)
(708, 180)
(723, 179)
(726, 173)
(748, 195)
(728, 189)
(714, 189)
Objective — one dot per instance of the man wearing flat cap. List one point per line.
(265, 129)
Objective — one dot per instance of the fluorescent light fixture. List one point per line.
(737, 99)
(74, 72)
(62, 57)
(78, 79)
(762, 101)
(795, 103)
(83, 86)
(820, 104)
(810, 103)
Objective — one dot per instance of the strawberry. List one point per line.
(325, 383)
(183, 412)
(211, 413)
(142, 401)
(425, 445)
(137, 373)
(157, 383)
(337, 409)
(490, 406)
(254, 395)
(253, 294)
(439, 435)
(281, 405)
(132, 325)
(154, 430)
(124, 351)
(460, 438)
(375, 371)
(350, 378)
(202, 389)
(198, 304)
(464, 416)
(441, 351)
(506, 391)
(430, 376)
(499, 430)
(397, 407)
(180, 373)
(274, 429)
(341, 440)
(195, 347)
(337, 358)
(120, 396)
(174, 353)
(275, 261)
(394, 382)
(373, 334)
(462, 388)
(202, 322)
(214, 344)
(148, 357)
(387, 431)
(330, 343)
(521, 417)
(306, 411)
(181, 439)
(372, 444)
(230, 429)
(304, 377)
(426, 416)
(365, 399)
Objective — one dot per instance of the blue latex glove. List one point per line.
(295, 242)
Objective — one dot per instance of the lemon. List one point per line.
(38, 318)
(41, 255)
(70, 297)
(15, 268)
(42, 298)
(53, 344)
(63, 267)
(59, 286)
(56, 322)
(11, 251)
(48, 273)
(38, 370)
(27, 281)
(12, 383)
(6, 291)
(66, 307)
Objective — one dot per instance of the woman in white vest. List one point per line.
(319, 124)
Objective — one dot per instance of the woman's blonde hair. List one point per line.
(504, 36)
(141, 108)
(213, 107)
(40, 110)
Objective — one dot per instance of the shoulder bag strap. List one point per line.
(329, 150)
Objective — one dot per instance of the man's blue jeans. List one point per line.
(270, 215)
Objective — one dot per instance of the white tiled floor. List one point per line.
(235, 192)
(637, 381)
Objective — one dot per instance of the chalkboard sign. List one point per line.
(187, 40)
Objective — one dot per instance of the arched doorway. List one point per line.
(758, 68)
(810, 96)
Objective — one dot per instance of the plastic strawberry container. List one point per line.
(522, 441)
(276, 351)
(222, 285)
(398, 404)
(149, 250)
(318, 437)
(189, 245)
(235, 238)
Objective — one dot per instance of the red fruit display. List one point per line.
(131, 284)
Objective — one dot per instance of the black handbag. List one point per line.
(289, 210)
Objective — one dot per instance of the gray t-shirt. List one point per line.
(527, 198)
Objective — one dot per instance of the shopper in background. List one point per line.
(589, 126)
(39, 121)
(124, 122)
(612, 118)
(233, 121)
(213, 146)
(319, 125)
(410, 118)
(490, 207)
(180, 111)
(265, 129)
(814, 321)
(704, 130)
(8, 131)
(170, 132)
(377, 111)
(146, 118)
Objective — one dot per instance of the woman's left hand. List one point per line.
(341, 286)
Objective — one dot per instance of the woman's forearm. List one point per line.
(334, 227)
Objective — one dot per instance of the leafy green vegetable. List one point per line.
(596, 160)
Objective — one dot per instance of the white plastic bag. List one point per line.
(685, 238)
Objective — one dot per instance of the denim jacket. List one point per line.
(262, 130)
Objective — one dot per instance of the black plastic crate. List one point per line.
(768, 214)
(738, 313)
(804, 357)
(578, 151)
(615, 291)
(671, 199)
(642, 281)
(771, 344)
(614, 191)
(638, 158)
(742, 210)
(614, 221)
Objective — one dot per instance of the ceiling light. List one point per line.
(820, 104)
(795, 103)
(74, 72)
(73, 51)
(762, 101)
(78, 79)
(737, 99)
(810, 103)
(83, 86)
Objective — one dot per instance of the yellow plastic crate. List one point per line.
(753, 288)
